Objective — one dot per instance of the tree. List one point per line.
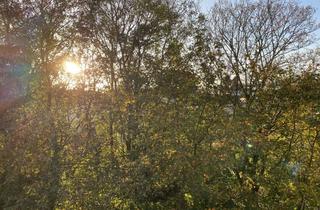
(171, 109)
(256, 36)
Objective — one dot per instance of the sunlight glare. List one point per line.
(72, 67)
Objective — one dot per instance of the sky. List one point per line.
(206, 4)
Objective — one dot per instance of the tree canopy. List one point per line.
(152, 104)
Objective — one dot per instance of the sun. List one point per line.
(71, 67)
